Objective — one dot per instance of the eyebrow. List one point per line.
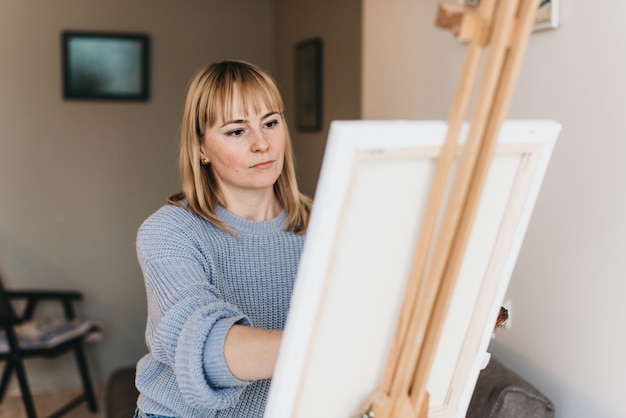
(267, 115)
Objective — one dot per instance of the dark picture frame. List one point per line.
(105, 66)
(308, 88)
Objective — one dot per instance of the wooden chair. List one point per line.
(14, 348)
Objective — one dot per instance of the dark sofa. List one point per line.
(501, 393)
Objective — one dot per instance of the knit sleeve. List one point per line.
(187, 318)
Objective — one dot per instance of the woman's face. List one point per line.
(246, 153)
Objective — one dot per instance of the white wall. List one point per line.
(568, 289)
(77, 178)
(338, 23)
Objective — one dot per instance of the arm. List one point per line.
(192, 308)
(251, 353)
(188, 319)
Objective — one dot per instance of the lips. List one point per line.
(264, 164)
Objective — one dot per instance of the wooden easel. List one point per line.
(504, 27)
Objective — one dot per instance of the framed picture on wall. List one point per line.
(547, 13)
(105, 66)
(308, 88)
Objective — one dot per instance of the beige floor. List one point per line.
(45, 404)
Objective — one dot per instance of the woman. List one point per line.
(219, 260)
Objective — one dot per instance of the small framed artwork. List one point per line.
(105, 66)
(547, 13)
(308, 89)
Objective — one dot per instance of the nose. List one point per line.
(259, 142)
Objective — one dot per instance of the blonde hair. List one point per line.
(209, 100)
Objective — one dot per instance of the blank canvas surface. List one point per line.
(368, 232)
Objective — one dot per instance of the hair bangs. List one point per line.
(255, 91)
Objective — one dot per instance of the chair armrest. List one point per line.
(66, 297)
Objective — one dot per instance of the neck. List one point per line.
(254, 206)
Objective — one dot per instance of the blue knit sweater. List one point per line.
(200, 281)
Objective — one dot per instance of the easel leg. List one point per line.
(422, 407)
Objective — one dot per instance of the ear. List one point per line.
(203, 156)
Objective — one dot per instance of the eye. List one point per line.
(272, 123)
(235, 132)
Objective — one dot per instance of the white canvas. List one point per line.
(365, 223)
